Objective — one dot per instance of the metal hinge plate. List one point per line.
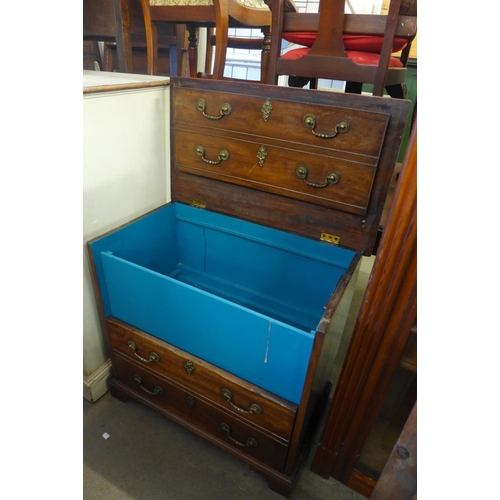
(330, 238)
(199, 204)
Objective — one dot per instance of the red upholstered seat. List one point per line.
(361, 49)
(367, 58)
(361, 43)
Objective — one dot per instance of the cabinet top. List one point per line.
(102, 81)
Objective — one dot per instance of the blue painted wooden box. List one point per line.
(242, 296)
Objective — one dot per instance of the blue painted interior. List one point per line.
(241, 296)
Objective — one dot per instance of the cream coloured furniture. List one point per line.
(207, 13)
(124, 175)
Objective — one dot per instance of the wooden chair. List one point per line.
(239, 42)
(207, 13)
(331, 32)
(120, 25)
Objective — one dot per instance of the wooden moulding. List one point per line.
(380, 337)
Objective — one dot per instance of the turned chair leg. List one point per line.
(265, 55)
(193, 50)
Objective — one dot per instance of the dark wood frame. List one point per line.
(385, 323)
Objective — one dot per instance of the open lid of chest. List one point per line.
(313, 163)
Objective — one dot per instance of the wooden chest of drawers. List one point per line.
(219, 307)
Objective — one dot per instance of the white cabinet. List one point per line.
(125, 174)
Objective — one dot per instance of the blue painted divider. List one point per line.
(263, 351)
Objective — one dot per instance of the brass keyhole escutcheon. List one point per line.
(189, 367)
(267, 107)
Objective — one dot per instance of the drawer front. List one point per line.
(356, 131)
(320, 179)
(197, 411)
(231, 393)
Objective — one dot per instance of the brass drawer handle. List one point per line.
(223, 155)
(254, 408)
(331, 177)
(249, 442)
(309, 122)
(152, 356)
(157, 390)
(201, 106)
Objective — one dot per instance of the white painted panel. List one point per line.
(126, 153)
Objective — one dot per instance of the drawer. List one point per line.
(288, 121)
(200, 413)
(323, 179)
(273, 414)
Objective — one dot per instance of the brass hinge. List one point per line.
(330, 238)
(199, 204)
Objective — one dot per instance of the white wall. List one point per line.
(125, 171)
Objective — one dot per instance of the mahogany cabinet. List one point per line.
(220, 306)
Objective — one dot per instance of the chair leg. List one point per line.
(123, 40)
(298, 81)
(174, 63)
(175, 51)
(193, 50)
(108, 62)
(353, 87)
(266, 55)
(221, 39)
(209, 53)
(151, 39)
(154, 45)
(398, 91)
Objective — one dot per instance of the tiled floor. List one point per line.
(132, 452)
